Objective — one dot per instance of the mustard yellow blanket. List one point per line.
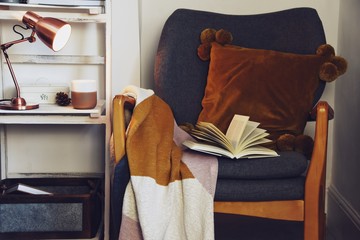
(170, 193)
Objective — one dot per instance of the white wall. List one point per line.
(344, 194)
(125, 44)
(132, 64)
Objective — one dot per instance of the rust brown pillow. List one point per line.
(274, 88)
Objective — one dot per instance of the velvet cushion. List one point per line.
(274, 88)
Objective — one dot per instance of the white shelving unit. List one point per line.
(52, 117)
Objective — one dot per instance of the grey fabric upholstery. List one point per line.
(180, 80)
(259, 190)
(288, 164)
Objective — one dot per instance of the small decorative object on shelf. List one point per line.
(62, 99)
(84, 94)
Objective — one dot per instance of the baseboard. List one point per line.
(343, 221)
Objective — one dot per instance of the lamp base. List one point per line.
(18, 104)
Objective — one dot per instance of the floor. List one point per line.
(231, 227)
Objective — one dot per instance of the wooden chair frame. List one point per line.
(310, 210)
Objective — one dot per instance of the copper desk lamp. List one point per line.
(53, 32)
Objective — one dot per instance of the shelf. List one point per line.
(68, 17)
(56, 59)
(56, 175)
(19, 6)
(83, 135)
(54, 114)
(68, 14)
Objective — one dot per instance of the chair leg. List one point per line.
(312, 229)
(323, 226)
(322, 215)
(315, 221)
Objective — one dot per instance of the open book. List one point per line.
(243, 139)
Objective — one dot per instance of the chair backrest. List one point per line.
(180, 76)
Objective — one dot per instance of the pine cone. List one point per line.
(62, 99)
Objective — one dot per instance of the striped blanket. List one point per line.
(170, 193)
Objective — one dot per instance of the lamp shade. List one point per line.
(53, 32)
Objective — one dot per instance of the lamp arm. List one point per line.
(4, 47)
(30, 39)
(12, 72)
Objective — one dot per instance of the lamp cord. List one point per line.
(20, 26)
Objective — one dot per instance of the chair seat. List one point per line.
(288, 164)
(260, 190)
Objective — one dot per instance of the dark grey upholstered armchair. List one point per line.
(285, 187)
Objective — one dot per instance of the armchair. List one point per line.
(289, 187)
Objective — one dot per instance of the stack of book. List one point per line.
(67, 2)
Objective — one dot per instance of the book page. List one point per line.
(259, 141)
(249, 130)
(214, 134)
(236, 129)
(257, 152)
(203, 147)
(210, 139)
(253, 138)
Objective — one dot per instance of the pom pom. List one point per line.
(333, 67)
(203, 51)
(285, 142)
(341, 64)
(207, 35)
(210, 35)
(328, 72)
(304, 144)
(325, 50)
(223, 37)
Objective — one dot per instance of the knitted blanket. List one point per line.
(171, 190)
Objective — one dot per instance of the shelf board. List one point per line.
(68, 14)
(54, 114)
(20, 6)
(56, 175)
(68, 17)
(56, 59)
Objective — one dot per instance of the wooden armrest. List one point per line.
(314, 111)
(315, 178)
(121, 103)
(322, 112)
